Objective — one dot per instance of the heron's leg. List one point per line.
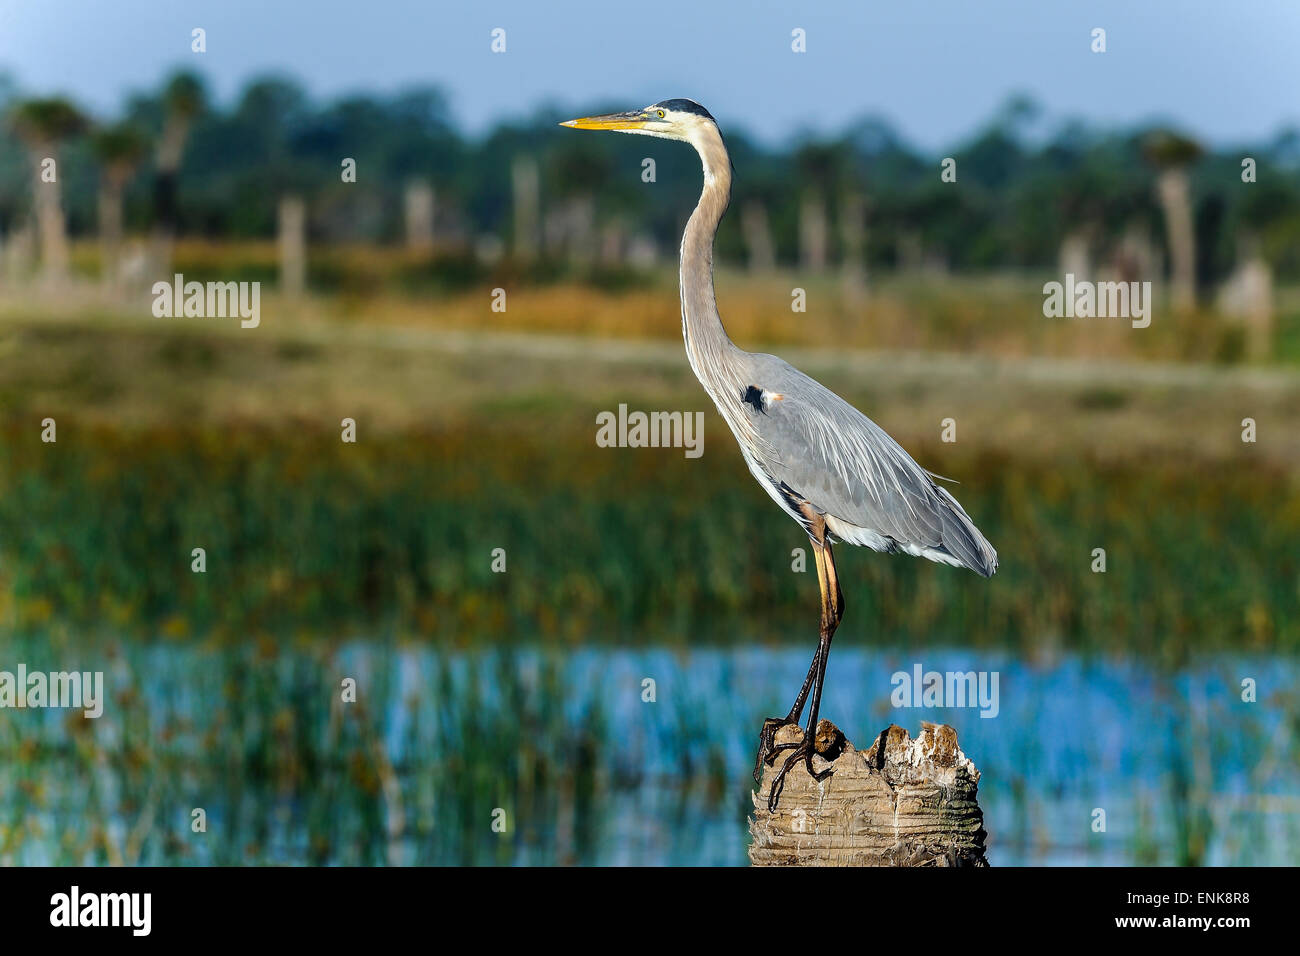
(832, 614)
(825, 578)
(833, 588)
(767, 749)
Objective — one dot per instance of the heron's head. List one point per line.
(671, 119)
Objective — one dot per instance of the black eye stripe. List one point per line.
(683, 106)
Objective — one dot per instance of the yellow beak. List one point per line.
(633, 120)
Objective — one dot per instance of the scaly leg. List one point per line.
(767, 737)
(767, 749)
(832, 614)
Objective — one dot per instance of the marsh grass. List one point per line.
(258, 738)
(564, 749)
(306, 534)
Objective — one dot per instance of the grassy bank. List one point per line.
(181, 435)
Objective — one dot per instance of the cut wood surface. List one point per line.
(902, 802)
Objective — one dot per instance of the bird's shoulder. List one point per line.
(829, 450)
(772, 366)
(777, 391)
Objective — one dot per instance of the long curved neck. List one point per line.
(706, 339)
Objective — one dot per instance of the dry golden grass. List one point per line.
(999, 315)
(392, 366)
(990, 316)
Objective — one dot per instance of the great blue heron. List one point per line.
(826, 465)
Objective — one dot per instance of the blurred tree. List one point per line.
(120, 149)
(578, 171)
(1271, 211)
(1020, 195)
(183, 100)
(43, 125)
(823, 170)
(1172, 154)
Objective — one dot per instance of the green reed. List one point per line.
(306, 535)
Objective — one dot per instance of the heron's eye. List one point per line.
(661, 113)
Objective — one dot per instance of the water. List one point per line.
(528, 756)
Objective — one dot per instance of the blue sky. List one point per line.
(937, 69)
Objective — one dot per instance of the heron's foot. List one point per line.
(803, 750)
(767, 746)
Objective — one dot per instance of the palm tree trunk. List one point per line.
(524, 181)
(50, 225)
(110, 231)
(293, 246)
(171, 149)
(1075, 256)
(1175, 199)
(419, 217)
(812, 233)
(853, 235)
(19, 253)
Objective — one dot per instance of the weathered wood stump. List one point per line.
(903, 802)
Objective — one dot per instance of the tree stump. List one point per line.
(903, 802)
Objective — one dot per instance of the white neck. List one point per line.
(713, 357)
(701, 325)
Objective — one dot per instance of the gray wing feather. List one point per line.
(847, 466)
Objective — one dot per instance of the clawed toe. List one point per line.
(767, 746)
(802, 751)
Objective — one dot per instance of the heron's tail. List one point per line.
(963, 540)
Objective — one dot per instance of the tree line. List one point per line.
(177, 163)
